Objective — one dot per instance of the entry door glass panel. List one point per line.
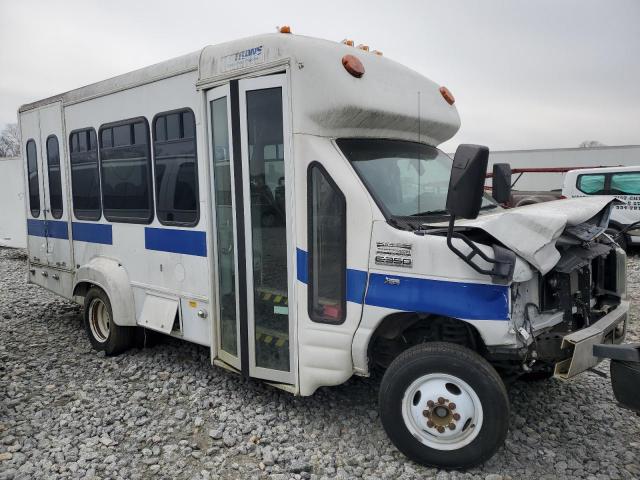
(222, 177)
(55, 182)
(268, 227)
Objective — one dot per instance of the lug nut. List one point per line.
(452, 426)
(440, 429)
(430, 424)
(430, 403)
(440, 400)
(456, 416)
(452, 406)
(425, 413)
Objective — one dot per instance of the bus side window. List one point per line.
(85, 177)
(327, 240)
(125, 168)
(34, 186)
(176, 171)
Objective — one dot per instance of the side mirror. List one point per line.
(501, 182)
(466, 184)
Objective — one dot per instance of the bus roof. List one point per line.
(389, 100)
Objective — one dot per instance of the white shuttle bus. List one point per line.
(280, 199)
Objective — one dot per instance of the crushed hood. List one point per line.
(531, 231)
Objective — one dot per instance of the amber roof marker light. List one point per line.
(447, 95)
(353, 65)
(284, 29)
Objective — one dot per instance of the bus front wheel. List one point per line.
(444, 405)
(102, 331)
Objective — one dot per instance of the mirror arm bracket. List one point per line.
(502, 271)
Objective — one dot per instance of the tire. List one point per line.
(444, 372)
(103, 333)
(622, 239)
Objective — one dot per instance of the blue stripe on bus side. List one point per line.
(356, 279)
(58, 229)
(356, 285)
(92, 233)
(48, 228)
(36, 228)
(188, 242)
(470, 301)
(303, 266)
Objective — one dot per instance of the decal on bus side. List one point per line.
(242, 59)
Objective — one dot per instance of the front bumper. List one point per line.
(581, 342)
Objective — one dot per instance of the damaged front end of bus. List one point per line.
(524, 291)
(576, 296)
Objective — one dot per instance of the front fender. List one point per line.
(112, 277)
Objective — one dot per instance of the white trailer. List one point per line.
(567, 158)
(13, 226)
(279, 199)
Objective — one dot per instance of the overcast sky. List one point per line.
(525, 74)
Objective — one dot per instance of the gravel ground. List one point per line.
(165, 412)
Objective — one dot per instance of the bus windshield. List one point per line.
(405, 178)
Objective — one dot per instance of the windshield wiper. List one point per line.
(443, 212)
(429, 212)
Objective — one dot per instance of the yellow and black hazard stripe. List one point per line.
(275, 339)
(274, 298)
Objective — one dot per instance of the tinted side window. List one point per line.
(176, 172)
(592, 184)
(34, 186)
(55, 182)
(327, 217)
(85, 178)
(125, 167)
(627, 183)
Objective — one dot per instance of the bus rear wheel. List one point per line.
(444, 405)
(104, 334)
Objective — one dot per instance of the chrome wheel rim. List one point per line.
(442, 411)
(99, 320)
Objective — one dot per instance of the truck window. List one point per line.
(625, 183)
(34, 186)
(592, 184)
(55, 183)
(125, 167)
(327, 212)
(85, 177)
(176, 173)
